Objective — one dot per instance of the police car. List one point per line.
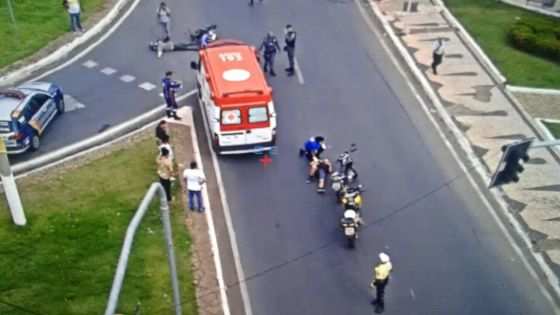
(25, 113)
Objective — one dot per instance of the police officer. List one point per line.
(290, 47)
(170, 86)
(269, 47)
(382, 272)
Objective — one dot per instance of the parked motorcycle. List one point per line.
(351, 220)
(345, 173)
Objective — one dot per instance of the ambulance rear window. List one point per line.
(231, 117)
(258, 114)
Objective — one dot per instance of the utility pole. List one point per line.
(10, 188)
(510, 165)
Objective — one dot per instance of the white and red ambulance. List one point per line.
(235, 98)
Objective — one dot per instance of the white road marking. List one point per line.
(186, 114)
(127, 78)
(231, 232)
(71, 104)
(412, 294)
(472, 157)
(108, 71)
(90, 64)
(92, 46)
(147, 86)
(298, 72)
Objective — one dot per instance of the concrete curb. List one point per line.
(548, 135)
(483, 173)
(83, 147)
(532, 8)
(65, 49)
(530, 90)
(483, 59)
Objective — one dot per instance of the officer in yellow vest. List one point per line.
(382, 271)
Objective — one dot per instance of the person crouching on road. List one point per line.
(165, 172)
(269, 47)
(313, 147)
(170, 87)
(194, 179)
(290, 48)
(167, 45)
(382, 272)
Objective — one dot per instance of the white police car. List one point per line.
(25, 113)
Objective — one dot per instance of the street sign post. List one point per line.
(10, 188)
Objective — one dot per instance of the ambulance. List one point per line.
(235, 98)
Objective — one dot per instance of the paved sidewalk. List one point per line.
(486, 117)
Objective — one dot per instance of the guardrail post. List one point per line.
(10, 187)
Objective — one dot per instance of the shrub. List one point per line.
(541, 38)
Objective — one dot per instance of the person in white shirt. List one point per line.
(73, 7)
(164, 18)
(194, 179)
(438, 50)
(165, 144)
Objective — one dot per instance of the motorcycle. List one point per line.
(196, 36)
(351, 219)
(345, 174)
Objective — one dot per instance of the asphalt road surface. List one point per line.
(449, 256)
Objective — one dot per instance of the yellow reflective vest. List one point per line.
(382, 271)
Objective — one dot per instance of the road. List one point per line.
(449, 255)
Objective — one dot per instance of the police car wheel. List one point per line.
(61, 106)
(35, 142)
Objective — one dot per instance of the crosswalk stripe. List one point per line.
(127, 78)
(147, 86)
(108, 71)
(90, 64)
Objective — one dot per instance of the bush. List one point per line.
(541, 38)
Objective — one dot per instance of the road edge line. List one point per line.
(231, 232)
(209, 218)
(464, 144)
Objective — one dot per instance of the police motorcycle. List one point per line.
(196, 36)
(345, 173)
(351, 220)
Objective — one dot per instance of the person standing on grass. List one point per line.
(166, 145)
(438, 50)
(161, 132)
(164, 18)
(194, 179)
(165, 172)
(74, 10)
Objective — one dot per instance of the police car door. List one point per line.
(45, 109)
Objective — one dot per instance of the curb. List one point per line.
(498, 196)
(65, 49)
(532, 8)
(84, 146)
(530, 90)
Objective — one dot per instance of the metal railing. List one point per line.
(155, 188)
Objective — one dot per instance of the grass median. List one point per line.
(38, 22)
(63, 262)
(553, 127)
(488, 21)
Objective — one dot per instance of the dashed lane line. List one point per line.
(147, 86)
(127, 78)
(90, 64)
(108, 71)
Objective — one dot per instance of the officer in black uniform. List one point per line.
(269, 47)
(290, 47)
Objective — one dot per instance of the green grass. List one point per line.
(37, 23)
(488, 21)
(554, 128)
(63, 261)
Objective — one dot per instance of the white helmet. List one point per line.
(384, 258)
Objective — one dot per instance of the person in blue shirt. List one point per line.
(170, 87)
(314, 146)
